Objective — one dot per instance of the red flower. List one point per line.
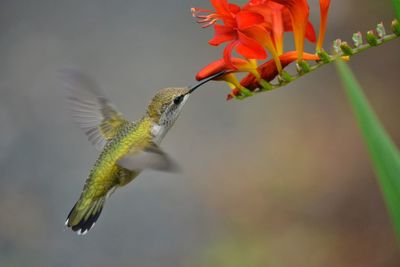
(239, 29)
(268, 71)
(240, 65)
(324, 7)
(258, 25)
(278, 20)
(224, 11)
(252, 30)
(220, 65)
(299, 12)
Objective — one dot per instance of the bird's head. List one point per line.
(166, 105)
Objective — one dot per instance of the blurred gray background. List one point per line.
(280, 179)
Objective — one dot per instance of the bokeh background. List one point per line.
(281, 179)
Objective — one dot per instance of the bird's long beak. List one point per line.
(200, 83)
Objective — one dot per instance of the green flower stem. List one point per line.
(283, 81)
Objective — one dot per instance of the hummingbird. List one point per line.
(126, 148)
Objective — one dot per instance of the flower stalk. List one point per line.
(325, 58)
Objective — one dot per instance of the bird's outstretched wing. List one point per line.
(150, 157)
(90, 109)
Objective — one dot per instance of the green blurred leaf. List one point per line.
(396, 4)
(384, 154)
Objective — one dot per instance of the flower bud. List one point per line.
(396, 27)
(380, 29)
(345, 58)
(265, 85)
(346, 49)
(284, 77)
(357, 39)
(372, 39)
(336, 45)
(303, 67)
(324, 56)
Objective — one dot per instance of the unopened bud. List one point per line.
(380, 29)
(245, 91)
(345, 58)
(285, 77)
(265, 85)
(346, 49)
(303, 67)
(396, 27)
(357, 39)
(230, 96)
(324, 56)
(336, 45)
(372, 39)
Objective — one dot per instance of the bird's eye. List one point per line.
(178, 100)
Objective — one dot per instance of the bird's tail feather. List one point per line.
(84, 215)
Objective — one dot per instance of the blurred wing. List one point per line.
(91, 110)
(151, 157)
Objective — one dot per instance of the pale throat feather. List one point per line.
(158, 132)
(166, 121)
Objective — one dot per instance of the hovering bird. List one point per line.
(126, 148)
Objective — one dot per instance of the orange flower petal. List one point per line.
(257, 2)
(228, 53)
(247, 19)
(310, 33)
(299, 12)
(222, 34)
(250, 48)
(234, 8)
(221, 6)
(324, 7)
(220, 65)
(278, 29)
(264, 37)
